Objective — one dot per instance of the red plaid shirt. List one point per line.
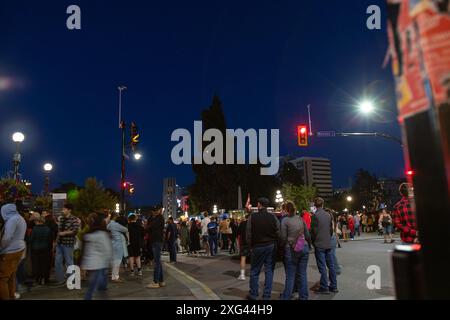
(405, 220)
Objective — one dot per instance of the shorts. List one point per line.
(244, 251)
(134, 251)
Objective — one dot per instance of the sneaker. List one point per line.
(140, 273)
(132, 273)
(153, 285)
(17, 296)
(241, 277)
(334, 290)
(322, 291)
(117, 280)
(162, 284)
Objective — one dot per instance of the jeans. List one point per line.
(158, 271)
(296, 273)
(172, 247)
(63, 254)
(261, 256)
(337, 267)
(357, 230)
(324, 259)
(212, 240)
(98, 279)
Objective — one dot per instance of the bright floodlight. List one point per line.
(18, 137)
(48, 167)
(137, 156)
(349, 198)
(366, 107)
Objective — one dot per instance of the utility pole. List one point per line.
(122, 126)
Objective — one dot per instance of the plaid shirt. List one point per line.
(71, 223)
(405, 220)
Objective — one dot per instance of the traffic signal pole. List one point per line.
(122, 126)
(122, 176)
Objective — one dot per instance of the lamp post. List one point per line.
(18, 138)
(349, 200)
(48, 167)
(122, 126)
(279, 197)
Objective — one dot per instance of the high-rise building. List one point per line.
(316, 172)
(170, 197)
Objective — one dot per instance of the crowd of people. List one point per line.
(33, 243)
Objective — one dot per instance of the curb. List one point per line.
(198, 289)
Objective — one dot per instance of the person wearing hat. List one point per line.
(263, 232)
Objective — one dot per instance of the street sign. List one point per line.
(326, 133)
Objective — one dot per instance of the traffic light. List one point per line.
(131, 188)
(134, 136)
(302, 133)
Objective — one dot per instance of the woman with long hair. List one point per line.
(295, 238)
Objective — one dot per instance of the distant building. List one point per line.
(170, 198)
(316, 172)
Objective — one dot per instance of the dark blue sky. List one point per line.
(265, 59)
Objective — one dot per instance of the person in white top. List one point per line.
(204, 225)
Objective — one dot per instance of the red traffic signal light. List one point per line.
(302, 133)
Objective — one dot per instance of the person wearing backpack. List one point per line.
(295, 238)
(213, 236)
(386, 223)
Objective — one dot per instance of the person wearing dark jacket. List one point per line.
(194, 234)
(233, 235)
(136, 232)
(263, 232)
(322, 231)
(171, 238)
(157, 231)
(41, 242)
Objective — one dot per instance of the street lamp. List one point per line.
(279, 197)
(366, 107)
(215, 209)
(18, 138)
(47, 168)
(349, 199)
(137, 156)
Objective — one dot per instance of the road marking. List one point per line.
(198, 289)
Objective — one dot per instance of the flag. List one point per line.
(248, 205)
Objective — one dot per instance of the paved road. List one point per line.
(193, 278)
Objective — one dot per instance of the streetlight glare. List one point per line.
(18, 137)
(137, 156)
(349, 198)
(366, 107)
(48, 167)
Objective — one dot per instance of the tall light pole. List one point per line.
(18, 138)
(122, 126)
(48, 167)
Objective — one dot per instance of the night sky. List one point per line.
(267, 60)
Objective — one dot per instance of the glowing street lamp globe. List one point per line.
(18, 137)
(48, 167)
(349, 198)
(366, 107)
(137, 156)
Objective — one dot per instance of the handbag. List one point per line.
(299, 244)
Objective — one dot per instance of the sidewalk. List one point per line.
(133, 288)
